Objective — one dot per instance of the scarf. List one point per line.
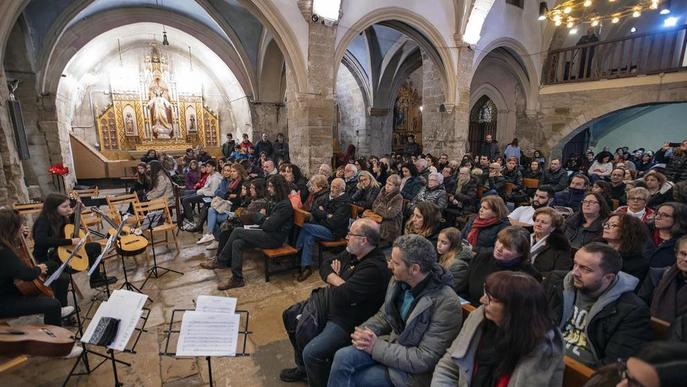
(478, 224)
(233, 184)
(639, 215)
(537, 247)
(666, 303)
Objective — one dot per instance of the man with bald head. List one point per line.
(327, 222)
(357, 280)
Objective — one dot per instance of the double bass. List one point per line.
(35, 287)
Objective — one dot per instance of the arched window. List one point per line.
(483, 118)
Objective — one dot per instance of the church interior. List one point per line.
(169, 122)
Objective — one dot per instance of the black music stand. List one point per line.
(245, 332)
(153, 270)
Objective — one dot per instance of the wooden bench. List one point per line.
(285, 250)
(530, 183)
(659, 328)
(337, 243)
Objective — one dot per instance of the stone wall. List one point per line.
(352, 118)
(270, 118)
(438, 126)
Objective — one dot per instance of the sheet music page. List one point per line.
(215, 304)
(127, 299)
(208, 334)
(128, 319)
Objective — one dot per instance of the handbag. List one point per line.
(220, 205)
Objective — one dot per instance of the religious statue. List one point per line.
(192, 123)
(161, 121)
(129, 129)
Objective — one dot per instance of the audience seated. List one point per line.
(481, 229)
(425, 221)
(508, 341)
(420, 317)
(454, 254)
(202, 195)
(636, 205)
(389, 205)
(192, 175)
(318, 189)
(670, 223)
(298, 184)
(522, 216)
(629, 236)
(595, 306)
(586, 225)
(555, 176)
(494, 182)
(675, 160)
(601, 168)
(511, 252)
(618, 186)
(275, 225)
(433, 192)
(658, 364)
(664, 288)
(327, 222)
(410, 182)
(160, 183)
(351, 179)
(550, 249)
(463, 199)
(357, 279)
(660, 191)
(366, 191)
(604, 188)
(572, 196)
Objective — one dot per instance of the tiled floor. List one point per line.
(269, 347)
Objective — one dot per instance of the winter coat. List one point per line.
(490, 149)
(390, 208)
(414, 346)
(676, 166)
(459, 265)
(192, 177)
(514, 177)
(315, 200)
(664, 194)
(573, 229)
(618, 322)
(569, 197)
(411, 188)
(468, 195)
(279, 220)
(555, 255)
(557, 180)
(163, 189)
(663, 255)
(264, 146)
(662, 291)
(636, 264)
(281, 152)
(487, 235)
(340, 210)
(365, 197)
(436, 195)
(543, 367)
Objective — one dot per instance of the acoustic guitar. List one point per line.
(130, 241)
(71, 231)
(35, 340)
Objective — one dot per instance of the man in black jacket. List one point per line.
(264, 145)
(357, 280)
(555, 176)
(328, 222)
(600, 316)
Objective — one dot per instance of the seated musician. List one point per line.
(12, 302)
(48, 235)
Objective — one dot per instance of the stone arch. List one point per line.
(353, 65)
(271, 70)
(529, 76)
(575, 125)
(475, 20)
(51, 68)
(416, 27)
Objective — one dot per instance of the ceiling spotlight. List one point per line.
(165, 42)
(567, 10)
(654, 4)
(543, 8)
(587, 3)
(636, 14)
(595, 22)
(633, 29)
(670, 21)
(570, 24)
(665, 7)
(573, 31)
(557, 22)
(615, 19)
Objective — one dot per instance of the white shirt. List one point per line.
(523, 214)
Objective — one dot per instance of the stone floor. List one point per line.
(268, 344)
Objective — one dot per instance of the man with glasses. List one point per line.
(670, 223)
(600, 316)
(357, 279)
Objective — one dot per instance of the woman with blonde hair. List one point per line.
(366, 191)
(454, 254)
(550, 248)
(637, 198)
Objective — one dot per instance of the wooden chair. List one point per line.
(355, 211)
(141, 209)
(90, 192)
(530, 183)
(660, 328)
(576, 374)
(28, 208)
(285, 250)
(119, 202)
(509, 187)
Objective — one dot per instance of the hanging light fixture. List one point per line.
(581, 12)
(665, 7)
(543, 8)
(165, 42)
(587, 3)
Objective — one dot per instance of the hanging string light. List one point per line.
(579, 12)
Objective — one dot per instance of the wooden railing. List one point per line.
(642, 54)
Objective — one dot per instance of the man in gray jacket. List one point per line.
(420, 318)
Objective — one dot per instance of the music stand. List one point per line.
(153, 270)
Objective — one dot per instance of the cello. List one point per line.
(35, 287)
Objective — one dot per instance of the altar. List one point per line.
(157, 115)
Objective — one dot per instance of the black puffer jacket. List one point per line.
(676, 166)
(340, 210)
(365, 197)
(618, 329)
(579, 236)
(557, 180)
(555, 255)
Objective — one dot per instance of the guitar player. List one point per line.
(48, 235)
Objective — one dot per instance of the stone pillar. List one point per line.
(311, 113)
(461, 111)
(380, 127)
(270, 118)
(12, 187)
(56, 137)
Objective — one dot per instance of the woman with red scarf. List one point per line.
(482, 229)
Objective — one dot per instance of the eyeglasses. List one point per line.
(610, 225)
(624, 375)
(590, 202)
(663, 215)
(636, 199)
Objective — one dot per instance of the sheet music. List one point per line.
(60, 269)
(208, 334)
(214, 304)
(127, 299)
(127, 324)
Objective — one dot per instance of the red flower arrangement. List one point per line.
(58, 169)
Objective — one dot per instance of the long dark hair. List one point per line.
(281, 187)
(259, 185)
(49, 211)
(633, 233)
(526, 320)
(679, 218)
(10, 223)
(155, 169)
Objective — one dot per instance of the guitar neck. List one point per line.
(77, 220)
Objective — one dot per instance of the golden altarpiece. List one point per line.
(157, 115)
(407, 117)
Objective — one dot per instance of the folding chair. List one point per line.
(141, 209)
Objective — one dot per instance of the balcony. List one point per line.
(635, 55)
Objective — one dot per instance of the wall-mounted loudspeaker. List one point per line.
(18, 123)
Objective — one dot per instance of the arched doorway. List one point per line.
(483, 120)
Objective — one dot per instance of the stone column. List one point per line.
(380, 127)
(56, 137)
(461, 111)
(311, 113)
(12, 187)
(270, 118)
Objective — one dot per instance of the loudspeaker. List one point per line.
(19, 131)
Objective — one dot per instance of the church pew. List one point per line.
(286, 250)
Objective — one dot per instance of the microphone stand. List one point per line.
(153, 271)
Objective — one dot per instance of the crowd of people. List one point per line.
(574, 265)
